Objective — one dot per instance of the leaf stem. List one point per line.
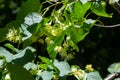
(47, 8)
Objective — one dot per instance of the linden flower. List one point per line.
(39, 72)
(13, 36)
(58, 48)
(41, 41)
(54, 32)
(48, 28)
(78, 73)
(89, 67)
(49, 41)
(69, 57)
(74, 68)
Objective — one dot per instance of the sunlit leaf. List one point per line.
(6, 54)
(2, 62)
(47, 75)
(63, 67)
(26, 33)
(115, 67)
(30, 65)
(94, 76)
(83, 1)
(33, 18)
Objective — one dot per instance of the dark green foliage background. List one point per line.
(101, 47)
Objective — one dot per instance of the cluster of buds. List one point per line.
(14, 35)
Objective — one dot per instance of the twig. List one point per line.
(47, 8)
(112, 76)
(106, 26)
(116, 6)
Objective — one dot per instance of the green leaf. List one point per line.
(10, 46)
(28, 7)
(77, 34)
(30, 33)
(100, 10)
(43, 66)
(115, 67)
(46, 60)
(72, 44)
(57, 41)
(63, 67)
(47, 75)
(33, 18)
(24, 56)
(49, 62)
(27, 42)
(6, 54)
(18, 72)
(79, 10)
(3, 35)
(94, 76)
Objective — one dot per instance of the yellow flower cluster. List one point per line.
(49, 41)
(13, 35)
(65, 50)
(89, 67)
(55, 31)
(58, 49)
(78, 73)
